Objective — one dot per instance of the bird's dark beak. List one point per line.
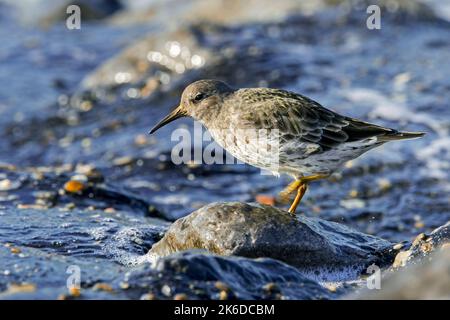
(175, 114)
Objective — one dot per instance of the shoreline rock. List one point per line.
(423, 279)
(421, 272)
(325, 251)
(200, 275)
(423, 245)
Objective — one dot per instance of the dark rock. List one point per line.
(427, 279)
(45, 189)
(149, 61)
(235, 12)
(424, 245)
(199, 275)
(324, 250)
(231, 12)
(429, 257)
(90, 10)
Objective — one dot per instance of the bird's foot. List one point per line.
(300, 193)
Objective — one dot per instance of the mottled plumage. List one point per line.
(304, 138)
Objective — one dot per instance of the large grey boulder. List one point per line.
(325, 250)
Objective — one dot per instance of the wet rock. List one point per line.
(102, 245)
(429, 257)
(235, 12)
(323, 249)
(200, 38)
(151, 61)
(198, 275)
(231, 12)
(7, 185)
(89, 234)
(90, 10)
(426, 279)
(47, 187)
(424, 245)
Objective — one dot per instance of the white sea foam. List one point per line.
(385, 108)
(332, 275)
(117, 245)
(436, 155)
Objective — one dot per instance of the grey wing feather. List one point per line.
(298, 116)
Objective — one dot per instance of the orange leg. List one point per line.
(285, 194)
(301, 186)
(300, 192)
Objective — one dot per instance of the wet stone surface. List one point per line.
(326, 251)
(206, 276)
(423, 245)
(420, 271)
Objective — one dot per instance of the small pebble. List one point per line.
(22, 287)
(86, 106)
(5, 184)
(331, 287)
(31, 206)
(265, 199)
(419, 238)
(74, 291)
(148, 296)
(384, 184)
(70, 206)
(141, 140)
(122, 161)
(166, 290)
(73, 186)
(180, 296)
(419, 224)
(86, 143)
(316, 209)
(401, 258)
(221, 286)
(124, 285)
(270, 287)
(15, 250)
(102, 287)
(353, 193)
(223, 295)
(353, 204)
(426, 247)
(8, 166)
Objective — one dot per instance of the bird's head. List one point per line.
(200, 100)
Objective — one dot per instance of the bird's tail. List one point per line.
(398, 135)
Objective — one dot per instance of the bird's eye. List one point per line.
(199, 97)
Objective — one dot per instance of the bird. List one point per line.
(280, 131)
